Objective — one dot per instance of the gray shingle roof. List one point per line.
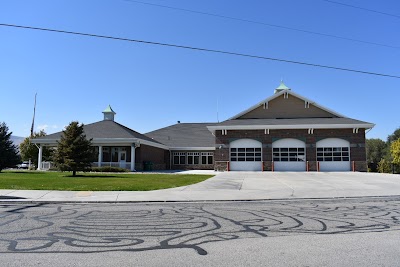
(299, 121)
(105, 129)
(185, 135)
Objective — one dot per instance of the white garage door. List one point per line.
(333, 154)
(289, 155)
(245, 155)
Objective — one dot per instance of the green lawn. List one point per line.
(33, 180)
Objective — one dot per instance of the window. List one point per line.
(288, 154)
(207, 158)
(193, 157)
(333, 154)
(246, 154)
(106, 154)
(179, 158)
(114, 154)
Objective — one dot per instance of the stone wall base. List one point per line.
(221, 166)
(267, 166)
(193, 167)
(312, 166)
(360, 166)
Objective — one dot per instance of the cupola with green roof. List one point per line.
(109, 114)
(281, 87)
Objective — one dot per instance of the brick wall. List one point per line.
(158, 156)
(357, 143)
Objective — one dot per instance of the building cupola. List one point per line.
(109, 114)
(281, 87)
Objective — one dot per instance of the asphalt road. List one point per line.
(338, 232)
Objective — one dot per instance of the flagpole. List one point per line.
(33, 119)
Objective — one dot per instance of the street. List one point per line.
(346, 232)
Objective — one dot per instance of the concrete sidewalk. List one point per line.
(235, 186)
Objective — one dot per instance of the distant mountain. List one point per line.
(17, 139)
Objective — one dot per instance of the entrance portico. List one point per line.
(117, 155)
(115, 144)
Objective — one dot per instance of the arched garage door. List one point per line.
(333, 154)
(245, 155)
(289, 155)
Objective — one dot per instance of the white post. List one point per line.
(133, 147)
(40, 157)
(100, 157)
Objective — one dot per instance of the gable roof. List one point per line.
(105, 131)
(302, 123)
(288, 92)
(185, 136)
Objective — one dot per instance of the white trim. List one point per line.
(286, 93)
(133, 148)
(104, 141)
(100, 156)
(291, 126)
(40, 156)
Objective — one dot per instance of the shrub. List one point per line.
(108, 169)
(384, 166)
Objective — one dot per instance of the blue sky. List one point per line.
(152, 86)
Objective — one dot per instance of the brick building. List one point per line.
(285, 132)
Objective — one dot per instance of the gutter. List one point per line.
(293, 126)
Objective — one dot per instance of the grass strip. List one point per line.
(63, 181)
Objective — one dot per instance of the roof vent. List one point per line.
(178, 121)
(109, 114)
(281, 87)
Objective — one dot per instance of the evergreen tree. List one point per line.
(8, 150)
(74, 151)
(29, 151)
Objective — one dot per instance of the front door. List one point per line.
(122, 159)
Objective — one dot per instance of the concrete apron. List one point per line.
(235, 186)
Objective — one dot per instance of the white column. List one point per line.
(133, 147)
(100, 157)
(40, 157)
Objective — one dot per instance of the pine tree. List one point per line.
(74, 151)
(8, 151)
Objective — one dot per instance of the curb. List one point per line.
(191, 201)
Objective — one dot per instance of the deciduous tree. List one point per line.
(384, 166)
(395, 151)
(74, 151)
(376, 150)
(30, 152)
(394, 136)
(8, 150)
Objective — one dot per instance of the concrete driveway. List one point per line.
(272, 185)
(237, 186)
